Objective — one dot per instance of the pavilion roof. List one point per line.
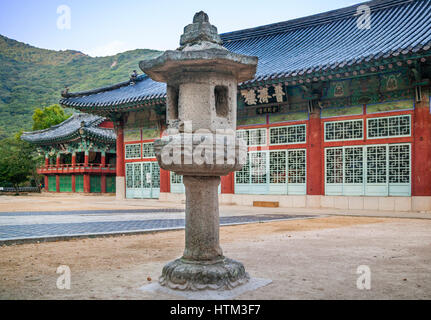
(305, 48)
(69, 130)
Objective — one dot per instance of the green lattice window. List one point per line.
(137, 177)
(148, 150)
(375, 170)
(288, 135)
(79, 183)
(273, 172)
(345, 165)
(398, 126)
(377, 164)
(277, 167)
(155, 175)
(344, 130)
(176, 178)
(52, 183)
(243, 176)
(353, 165)
(399, 164)
(287, 166)
(296, 166)
(334, 165)
(129, 175)
(254, 171)
(110, 184)
(65, 183)
(95, 184)
(258, 172)
(133, 151)
(142, 175)
(253, 137)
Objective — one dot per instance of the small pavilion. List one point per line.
(79, 154)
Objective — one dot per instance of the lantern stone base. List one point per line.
(156, 290)
(224, 274)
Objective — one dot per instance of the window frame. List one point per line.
(129, 145)
(150, 157)
(343, 121)
(248, 136)
(388, 117)
(287, 143)
(366, 186)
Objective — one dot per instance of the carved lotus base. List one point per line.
(224, 274)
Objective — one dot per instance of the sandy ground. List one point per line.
(306, 259)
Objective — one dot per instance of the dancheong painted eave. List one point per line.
(70, 130)
(308, 49)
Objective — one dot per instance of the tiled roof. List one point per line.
(327, 41)
(69, 130)
(333, 40)
(143, 89)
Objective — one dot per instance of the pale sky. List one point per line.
(107, 27)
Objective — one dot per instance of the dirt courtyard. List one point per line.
(306, 259)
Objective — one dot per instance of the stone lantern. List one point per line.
(202, 79)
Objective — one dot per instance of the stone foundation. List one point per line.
(120, 187)
(413, 204)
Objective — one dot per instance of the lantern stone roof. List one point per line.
(69, 130)
(302, 49)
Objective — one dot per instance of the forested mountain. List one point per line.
(31, 77)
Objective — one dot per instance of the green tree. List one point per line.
(18, 161)
(49, 116)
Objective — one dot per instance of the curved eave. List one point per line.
(57, 140)
(117, 105)
(72, 138)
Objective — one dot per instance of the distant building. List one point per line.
(79, 154)
(338, 115)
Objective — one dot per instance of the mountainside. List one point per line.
(31, 77)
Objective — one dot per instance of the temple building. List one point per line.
(338, 115)
(79, 154)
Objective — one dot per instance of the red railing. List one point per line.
(76, 168)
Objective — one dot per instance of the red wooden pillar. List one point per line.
(103, 159)
(73, 183)
(421, 150)
(57, 183)
(46, 161)
(58, 160)
(73, 159)
(120, 165)
(86, 159)
(46, 183)
(120, 152)
(165, 181)
(103, 184)
(87, 188)
(314, 155)
(227, 183)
